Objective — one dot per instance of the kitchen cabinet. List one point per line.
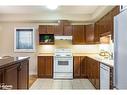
(23, 75)
(58, 30)
(79, 67)
(93, 72)
(90, 34)
(11, 76)
(1, 76)
(96, 33)
(78, 34)
(45, 66)
(15, 75)
(46, 29)
(65, 30)
(106, 23)
(46, 34)
(83, 66)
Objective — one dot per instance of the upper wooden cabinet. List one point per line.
(90, 33)
(96, 33)
(65, 30)
(78, 34)
(58, 30)
(46, 29)
(106, 23)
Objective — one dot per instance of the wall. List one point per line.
(7, 44)
(68, 44)
(0, 40)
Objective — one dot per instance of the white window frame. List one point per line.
(24, 50)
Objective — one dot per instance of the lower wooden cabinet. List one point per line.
(16, 76)
(11, 76)
(45, 66)
(83, 66)
(93, 72)
(23, 75)
(79, 67)
(1, 76)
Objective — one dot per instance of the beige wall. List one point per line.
(0, 39)
(7, 44)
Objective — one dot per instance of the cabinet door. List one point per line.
(41, 66)
(76, 67)
(78, 34)
(97, 75)
(90, 33)
(42, 29)
(49, 67)
(83, 66)
(68, 30)
(1, 76)
(10, 76)
(101, 26)
(23, 75)
(58, 30)
(109, 22)
(96, 33)
(50, 29)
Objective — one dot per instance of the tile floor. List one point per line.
(42, 84)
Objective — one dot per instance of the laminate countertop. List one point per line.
(102, 60)
(11, 60)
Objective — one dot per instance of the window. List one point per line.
(24, 40)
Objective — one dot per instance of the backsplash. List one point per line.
(68, 44)
(107, 47)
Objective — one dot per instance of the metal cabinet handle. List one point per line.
(19, 68)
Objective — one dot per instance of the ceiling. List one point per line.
(43, 14)
(44, 9)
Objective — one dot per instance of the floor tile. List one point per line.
(77, 84)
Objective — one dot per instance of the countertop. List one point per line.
(91, 55)
(11, 60)
(102, 60)
(46, 54)
(97, 57)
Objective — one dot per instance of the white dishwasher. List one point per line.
(104, 76)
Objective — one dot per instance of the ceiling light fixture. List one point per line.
(52, 6)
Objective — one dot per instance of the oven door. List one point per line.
(63, 65)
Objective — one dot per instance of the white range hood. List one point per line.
(63, 37)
